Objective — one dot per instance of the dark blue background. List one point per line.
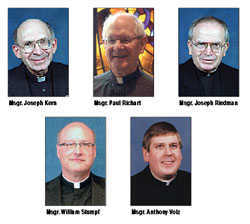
(54, 124)
(229, 15)
(58, 18)
(139, 126)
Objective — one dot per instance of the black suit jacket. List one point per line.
(53, 191)
(190, 85)
(18, 83)
(136, 84)
(146, 190)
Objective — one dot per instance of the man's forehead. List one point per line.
(122, 23)
(209, 26)
(170, 137)
(76, 132)
(33, 28)
(210, 30)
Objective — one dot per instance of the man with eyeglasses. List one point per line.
(38, 75)
(204, 74)
(76, 185)
(161, 182)
(124, 40)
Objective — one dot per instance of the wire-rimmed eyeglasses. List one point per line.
(123, 40)
(215, 47)
(43, 43)
(83, 145)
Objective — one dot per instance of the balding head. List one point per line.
(33, 24)
(75, 130)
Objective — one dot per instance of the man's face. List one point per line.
(207, 32)
(38, 60)
(164, 156)
(76, 160)
(123, 57)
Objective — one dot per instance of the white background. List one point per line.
(220, 134)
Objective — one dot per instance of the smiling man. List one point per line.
(124, 40)
(205, 74)
(76, 185)
(35, 44)
(161, 182)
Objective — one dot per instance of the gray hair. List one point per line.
(139, 29)
(208, 19)
(46, 23)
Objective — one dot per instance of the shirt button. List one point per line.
(44, 90)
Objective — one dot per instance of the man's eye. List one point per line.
(69, 144)
(111, 41)
(159, 146)
(27, 44)
(42, 41)
(201, 44)
(125, 41)
(173, 146)
(216, 45)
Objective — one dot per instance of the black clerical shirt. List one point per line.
(76, 196)
(210, 82)
(137, 83)
(147, 190)
(40, 86)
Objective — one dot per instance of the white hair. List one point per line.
(139, 27)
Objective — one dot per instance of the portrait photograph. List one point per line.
(38, 51)
(208, 51)
(75, 160)
(161, 161)
(123, 51)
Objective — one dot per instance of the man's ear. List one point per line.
(145, 154)
(54, 45)
(57, 151)
(143, 42)
(189, 44)
(226, 47)
(16, 51)
(94, 151)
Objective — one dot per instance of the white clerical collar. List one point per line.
(119, 80)
(167, 182)
(76, 184)
(41, 78)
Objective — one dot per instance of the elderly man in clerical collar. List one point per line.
(35, 44)
(204, 74)
(124, 40)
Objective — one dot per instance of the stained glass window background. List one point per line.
(146, 16)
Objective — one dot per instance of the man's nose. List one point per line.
(37, 49)
(77, 148)
(167, 150)
(208, 50)
(118, 44)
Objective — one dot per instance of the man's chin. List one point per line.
(41, 70)
(208, 69)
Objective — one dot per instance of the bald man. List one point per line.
(77, 185)
(37, 75)
(124, 40)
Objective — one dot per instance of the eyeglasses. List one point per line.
(83, 145)
(124, 41)
(28, 46)
(215, 47)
